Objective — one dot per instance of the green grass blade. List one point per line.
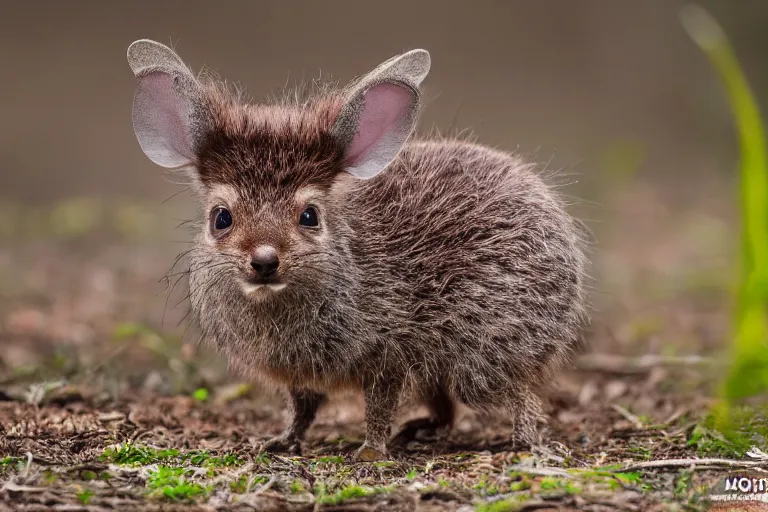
(748, 375)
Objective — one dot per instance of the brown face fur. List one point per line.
(265, 165)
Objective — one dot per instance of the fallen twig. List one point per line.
(28, 465)
(757, 453)
(610, 363)
(694, 463)
(679, 412)
(541, 471)
(13, 487)
(628, 416)
(264, 487)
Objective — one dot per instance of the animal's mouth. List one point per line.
(253, 286)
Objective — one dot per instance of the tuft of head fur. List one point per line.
(448, 263)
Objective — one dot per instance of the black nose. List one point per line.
(264, 261)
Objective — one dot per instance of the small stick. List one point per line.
(13, 487)
(628, 416)
(610, 363)
(693, 463)
(28, 466)
(266, 486)
(541, 471)
(675, 415)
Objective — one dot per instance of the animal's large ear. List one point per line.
(380, 113)
(166, 106)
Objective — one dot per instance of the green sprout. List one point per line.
(748, 373)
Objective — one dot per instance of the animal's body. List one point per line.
(338, 252)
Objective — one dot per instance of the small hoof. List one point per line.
(525, 442)
(367, 453)
(281, 444)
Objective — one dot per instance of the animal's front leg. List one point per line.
(303, 405)
(382, 395)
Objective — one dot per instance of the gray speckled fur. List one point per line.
(456, 272)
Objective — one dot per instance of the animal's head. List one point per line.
(266, 174)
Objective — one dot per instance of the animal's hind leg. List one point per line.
(442, 413)
(526, 410)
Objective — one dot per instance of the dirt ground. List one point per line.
(107, 401)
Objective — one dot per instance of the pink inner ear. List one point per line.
(385, 106)
(161, 119)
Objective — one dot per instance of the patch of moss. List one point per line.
(330, 459)
(262, 458)
(88, 475)
(297, 486)
(201, 394)
(197, 458)
(522, 485)
(85, 496)
(748, 427)
(485, 488)
(608, 476)
(136, 454)
(629, 478)
(412, 474)
(203, 458)
(348, 492)
(11, 463)
(521, 480)
(609, 468)
(166, 475)
(171, 482)
(184, 491)
(682, 485)
(506, 505)
(640, 452)
(240, 485)
(324, 462)
(551, 483)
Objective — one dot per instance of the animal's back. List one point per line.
(477, 264)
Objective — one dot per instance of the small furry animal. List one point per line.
(338, 252)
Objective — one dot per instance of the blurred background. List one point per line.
(612, 95)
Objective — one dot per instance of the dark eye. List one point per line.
(308, 217)
(221, 219)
